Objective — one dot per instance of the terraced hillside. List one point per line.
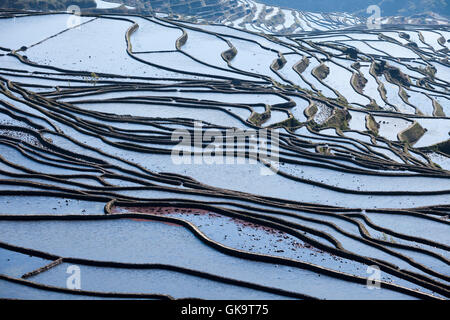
(244, 14)
(259, 17)
(388, 7)
(359, 119)
(262, 17)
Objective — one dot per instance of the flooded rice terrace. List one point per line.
(159, 156)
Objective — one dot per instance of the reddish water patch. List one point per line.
(162, 210)
(245, 224)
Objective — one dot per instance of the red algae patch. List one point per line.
(157, 210)
(161, 211)
(241, 224)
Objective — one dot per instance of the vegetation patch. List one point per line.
(311, 110)
(258, 119)
(391, 73)
(411, 134)
(339, 119)
(229, 54)
(351, 52)
(301, 66)
(358, 82)
(372, 125)
(444, 147)
(438, 111)
(290, 124)
(279, 63)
